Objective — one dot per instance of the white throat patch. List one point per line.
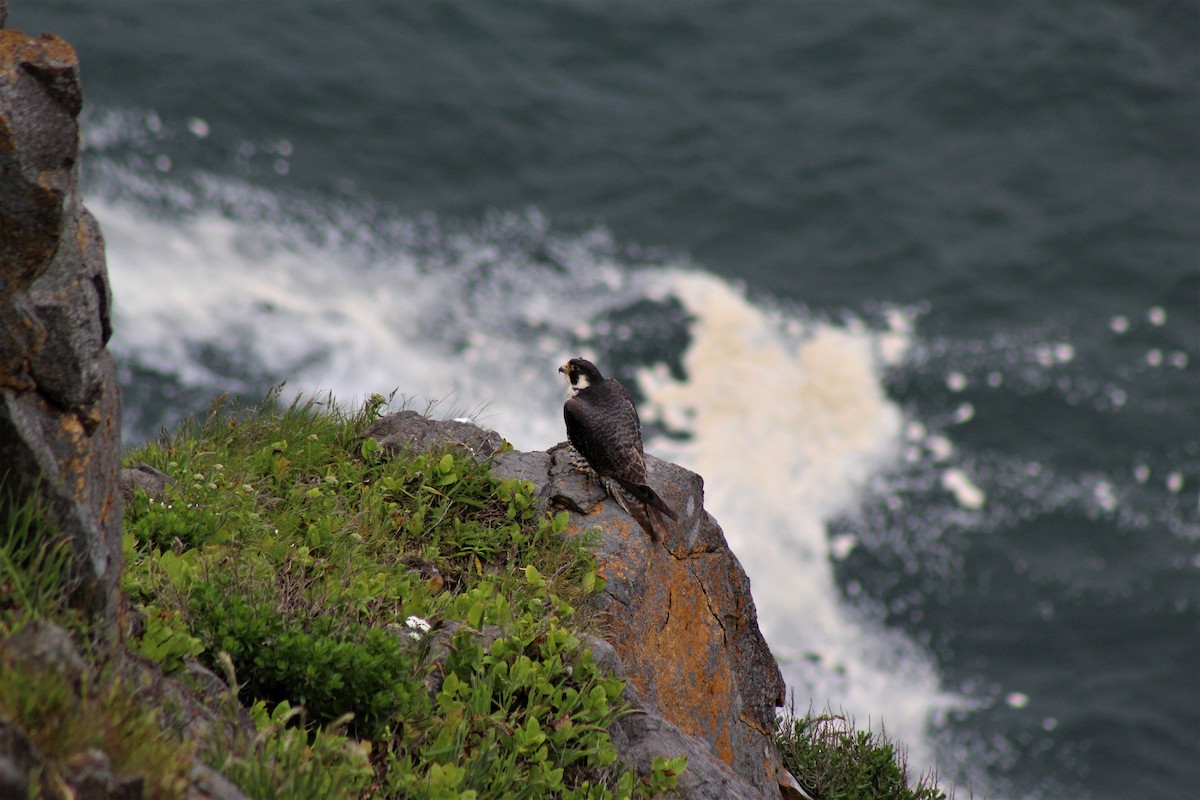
(581, 383)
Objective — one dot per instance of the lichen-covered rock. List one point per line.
(679, 613)
(59, 400)
(645, 734)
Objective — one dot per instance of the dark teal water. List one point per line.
(989, 210)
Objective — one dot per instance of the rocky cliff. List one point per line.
(679, 621)
(59, 400)
(678, 612)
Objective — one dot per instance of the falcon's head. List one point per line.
(581, 374)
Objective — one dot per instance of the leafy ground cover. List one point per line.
(397, 625)
(412, 605)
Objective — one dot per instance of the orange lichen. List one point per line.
(674, 647)
(46, 53)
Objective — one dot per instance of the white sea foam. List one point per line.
(787, 424)
(477, 327)
(784, 415)
(786, 418)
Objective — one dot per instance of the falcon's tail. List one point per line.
(648, 496)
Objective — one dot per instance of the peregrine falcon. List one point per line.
(603, 426)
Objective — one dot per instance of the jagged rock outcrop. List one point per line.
(680, 623)
(59, 400)
(678, 613)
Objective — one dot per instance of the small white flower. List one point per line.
(416, 623)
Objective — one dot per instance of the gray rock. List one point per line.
(90, 775)
(197, 703)
(518, 465)
(47, 647)
(145, 477)
(18, 759)
(410, 431)
(72, 300)
(3, 12)
(59, 400)
(208, 784)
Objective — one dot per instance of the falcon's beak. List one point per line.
(563, 369)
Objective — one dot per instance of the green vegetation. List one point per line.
(64, 714)
(34, 563)
(316, 564)
(397, 625)
(833, 760)
(63, 721)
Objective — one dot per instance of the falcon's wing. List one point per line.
(603, 426)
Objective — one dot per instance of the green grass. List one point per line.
(34, 566)
(311, 560)
(833, 760)
(62, 720)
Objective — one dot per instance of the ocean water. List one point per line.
(914, 286)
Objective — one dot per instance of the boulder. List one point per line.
(411, 431)
(678, 614)
(59, 400)
(145, 477)
(645, 734)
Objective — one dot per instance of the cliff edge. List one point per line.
(678, 622)
(677, 615)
